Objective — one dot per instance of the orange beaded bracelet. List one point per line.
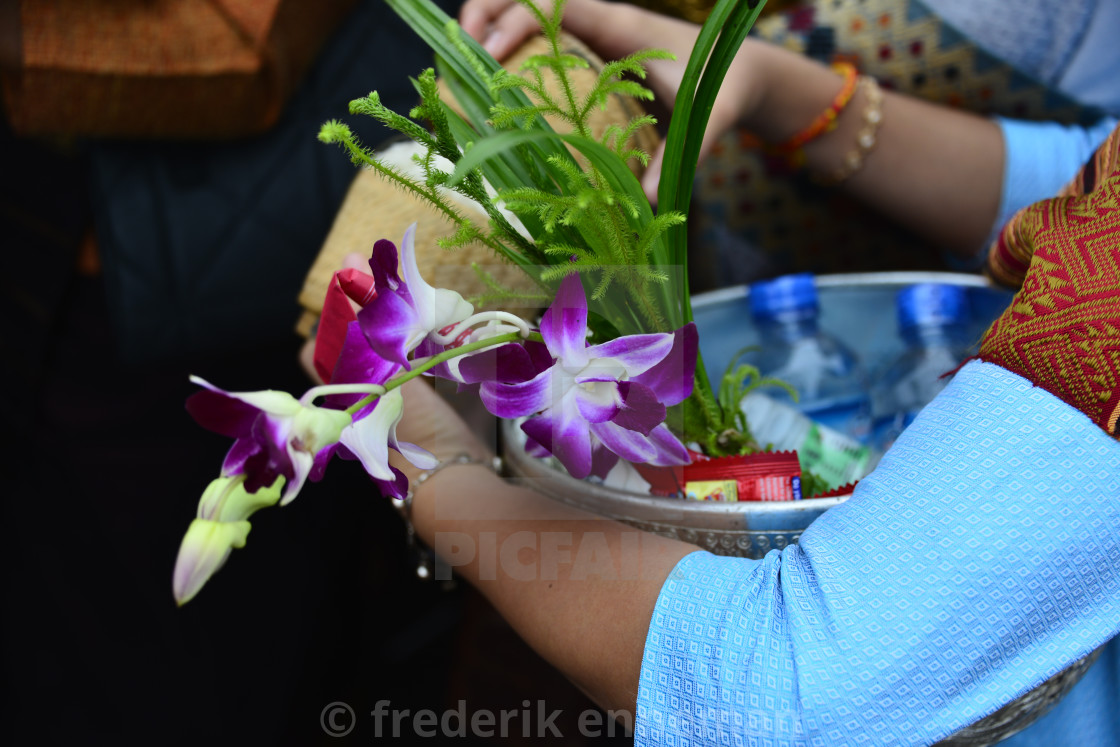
(825, 122)
(866, 138)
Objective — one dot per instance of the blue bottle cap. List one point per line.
(789, 293)
(931, 303)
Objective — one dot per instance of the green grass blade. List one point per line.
(719, 39)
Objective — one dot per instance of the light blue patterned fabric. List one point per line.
(981, 557)
(1028, 178)
(1088, 716)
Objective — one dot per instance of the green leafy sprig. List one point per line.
(586, 216)
(732, 434)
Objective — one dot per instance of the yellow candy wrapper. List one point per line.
(712, 490)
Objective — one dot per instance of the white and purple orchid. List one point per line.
(370, 438)
(613, 394)
(586, 405)
(275, 434)
(405, 311)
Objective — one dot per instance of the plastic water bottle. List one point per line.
(830, 455)
(829, 380)
(933, 321)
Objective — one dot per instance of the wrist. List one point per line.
(447, 455)
(751, 74)
(465, 475)
(784, 92)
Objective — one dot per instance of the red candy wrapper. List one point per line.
(771, 476)
(667, 481)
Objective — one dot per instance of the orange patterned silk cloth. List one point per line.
(157, 68)
(1062, 330)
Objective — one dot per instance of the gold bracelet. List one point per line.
(866, 139)
(425, 557)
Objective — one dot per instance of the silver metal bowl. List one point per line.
(744, 529)
(859, 310)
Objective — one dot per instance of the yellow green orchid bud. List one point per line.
(220, 527)
(225, 499)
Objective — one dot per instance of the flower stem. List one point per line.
(435, 360)
(486, 316)
(328, 389)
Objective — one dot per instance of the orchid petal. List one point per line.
(510, 363)
(383, 265)
(419, 457)
(422, 293)
(322, 458)
(598, 401)
(640, 410)
(392, 327)
(670, 451)
(215, 411)
(205, 548)
(238, 456)
(672, 379)
(539, 432)
(519, 400)
(368, 438)
(447, 308)
(630, 445)
(272, 459)
(660, 448)
(601, 369)
(603, 461)
(534, 449)
(234, 413)
(436, 308)
(302, 462)
(565, 433)
(359, 364)
(635, 353)
(564, 325)
(395, 488)
(268, 400)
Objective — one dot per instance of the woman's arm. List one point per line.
(916, 588)
(578, 588)
(934, 169)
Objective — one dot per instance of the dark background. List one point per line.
(200, 252)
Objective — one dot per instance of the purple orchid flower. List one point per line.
(369, 439)
(509, 363)
(405, 312)
(374, 429)
(614, 394)
(275, 434)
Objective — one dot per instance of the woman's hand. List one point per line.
(500, 26)
(613, 31)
